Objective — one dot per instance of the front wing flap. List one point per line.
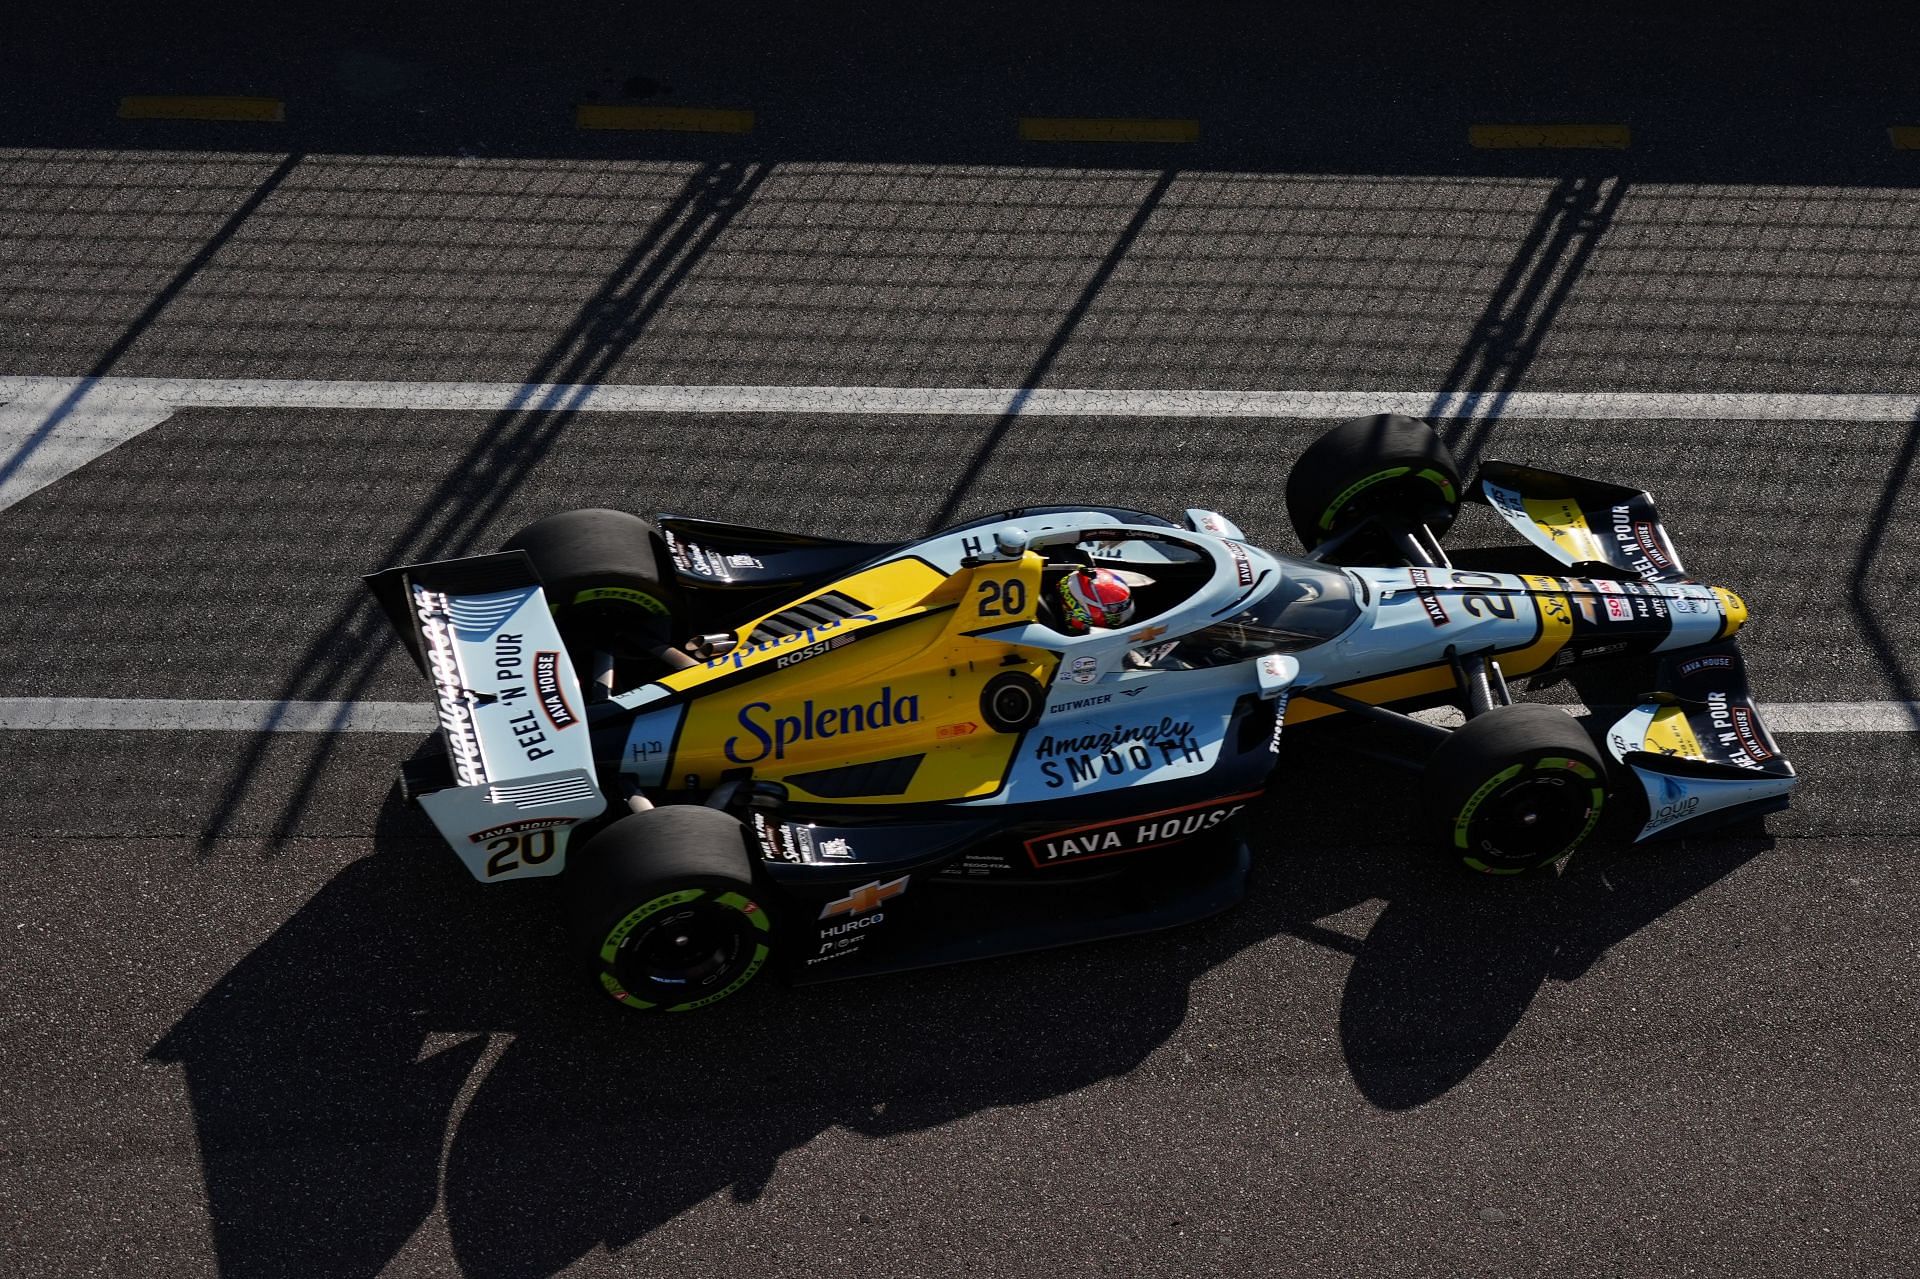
(1699, 747)
(1584, 524)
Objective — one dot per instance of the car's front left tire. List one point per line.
(1385, 465)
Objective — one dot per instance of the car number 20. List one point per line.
(511, 852)
(1003, 598)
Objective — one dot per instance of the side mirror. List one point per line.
(1012, 543)
(1276, 673)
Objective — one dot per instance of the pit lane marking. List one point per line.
(26, 394)
(51, 426)
(126, 714)
(114, 714)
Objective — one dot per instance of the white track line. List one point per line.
(270, 393)
(51, 426)
(115, 714)
(66, 714)
(39, 445)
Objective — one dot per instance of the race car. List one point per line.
(746, 749)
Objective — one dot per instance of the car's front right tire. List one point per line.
(1515, 789)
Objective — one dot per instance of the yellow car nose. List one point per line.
(1733, 611)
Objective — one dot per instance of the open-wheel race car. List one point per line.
(746, 749)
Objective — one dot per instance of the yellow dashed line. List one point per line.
(669, 119)
(1040, 128)
(1593, 137)
(1905, 137)
(271, 110)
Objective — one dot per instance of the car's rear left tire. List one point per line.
(664, 906)
(603, 580)
(1515, 789)
(1381, 465)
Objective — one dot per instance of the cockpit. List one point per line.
(1312, 604)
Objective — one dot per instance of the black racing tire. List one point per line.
(1385, 464)
(601, 571)
(664, 907)
(1515, 789)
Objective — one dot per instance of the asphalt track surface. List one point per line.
(259, 1023)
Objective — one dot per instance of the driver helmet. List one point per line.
(1092, 597)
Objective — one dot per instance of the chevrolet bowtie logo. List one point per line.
(865, 898)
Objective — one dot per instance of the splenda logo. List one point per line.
(813, 723)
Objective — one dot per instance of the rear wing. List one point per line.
(1587, 525)
(510, 709)
(1699, 747)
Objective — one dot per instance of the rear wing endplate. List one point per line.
(510, 709)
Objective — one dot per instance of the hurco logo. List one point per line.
(816, 723)
(865, 898)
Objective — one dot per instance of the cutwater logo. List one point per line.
(775, 733)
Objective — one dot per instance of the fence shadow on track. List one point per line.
(1883, 518)
(344, 656)
(1035, 377)
(1520, 312)
(109, 358)
(409, 1038)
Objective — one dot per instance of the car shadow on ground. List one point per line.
(409, 1038)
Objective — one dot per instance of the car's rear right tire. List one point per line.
(663, 903)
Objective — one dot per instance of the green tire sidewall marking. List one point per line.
(625, 594)
(1438, 480)
(1353, 490)
(746, 907)
(1573, 766)
(1478, 798)
(620, 993)
(1549, 764)
(760, 952)
(1598, 792)
(639, 915)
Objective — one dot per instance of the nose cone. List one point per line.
(1733, 611)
